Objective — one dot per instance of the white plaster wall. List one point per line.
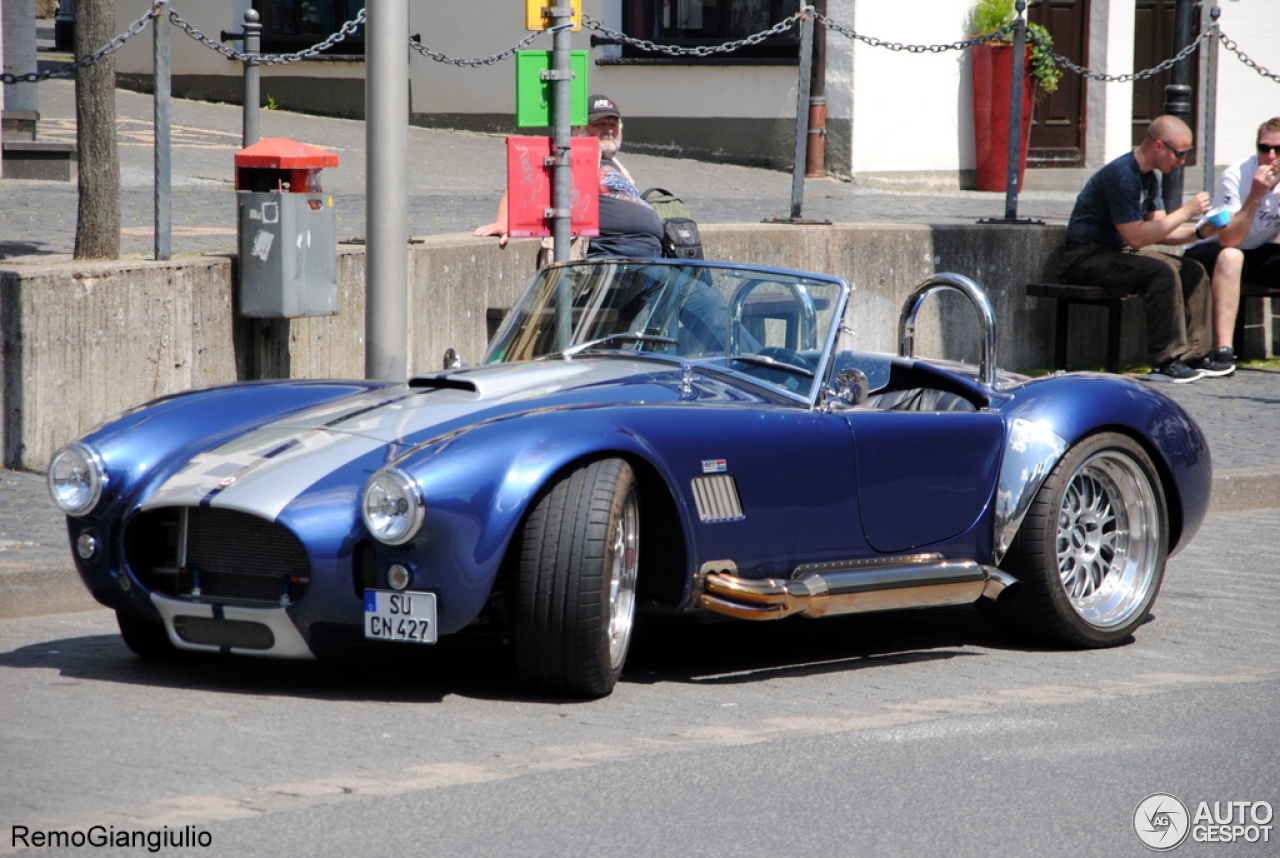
(910, 111)
(1116, 19)
(1245, 98)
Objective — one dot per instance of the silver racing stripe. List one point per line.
(264, 470)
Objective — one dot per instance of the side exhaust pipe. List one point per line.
(828, 590)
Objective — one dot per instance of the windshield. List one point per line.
(771, 324)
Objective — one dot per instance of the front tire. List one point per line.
(576, 582)
(1091, 552)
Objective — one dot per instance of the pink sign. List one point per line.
(529, 186)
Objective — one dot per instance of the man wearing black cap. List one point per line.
(628, 225)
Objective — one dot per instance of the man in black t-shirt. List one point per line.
(1117, 218)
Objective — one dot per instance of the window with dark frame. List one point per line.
(294, 25)
(696, 23)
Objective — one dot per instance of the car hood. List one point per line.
(265, 468)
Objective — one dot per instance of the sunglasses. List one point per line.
(1263, 149)
(1178, 154)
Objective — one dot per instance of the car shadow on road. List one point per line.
(724, 653)
(662, 651)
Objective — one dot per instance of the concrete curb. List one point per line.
(55, 588)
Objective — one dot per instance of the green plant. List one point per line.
(272, 104)
(988, 16)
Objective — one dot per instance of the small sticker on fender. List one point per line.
(714, 466)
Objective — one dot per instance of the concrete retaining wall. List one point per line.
(84, 341)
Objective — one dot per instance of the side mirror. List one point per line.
(848, 389)
(451, 359)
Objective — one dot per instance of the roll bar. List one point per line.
(981, 303)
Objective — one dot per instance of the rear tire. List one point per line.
(578, 557)
(146, 639)
(1091, 552)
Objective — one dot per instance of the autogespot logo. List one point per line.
(1161, 821)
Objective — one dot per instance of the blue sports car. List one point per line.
(683, 437)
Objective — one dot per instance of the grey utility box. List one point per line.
(288, 249)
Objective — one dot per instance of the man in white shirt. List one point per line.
(1245, 248)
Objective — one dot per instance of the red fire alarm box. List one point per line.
(529, 186)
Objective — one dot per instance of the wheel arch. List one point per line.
(664, 547)
(1077, 407)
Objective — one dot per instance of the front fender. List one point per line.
(1069, 408)
(478, 486)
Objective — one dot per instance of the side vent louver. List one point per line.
(717, 498)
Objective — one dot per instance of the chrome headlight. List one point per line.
(392, 507)
(76, 479)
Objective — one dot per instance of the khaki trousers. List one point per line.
(1175, 294)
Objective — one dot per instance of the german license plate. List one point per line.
(391, 615)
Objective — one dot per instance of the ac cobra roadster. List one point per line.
(684, 437)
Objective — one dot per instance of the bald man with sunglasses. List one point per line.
(1117, 219)
(1244, 248)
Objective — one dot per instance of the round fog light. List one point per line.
(398, 577)
(86, 545)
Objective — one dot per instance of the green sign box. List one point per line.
(534, 95)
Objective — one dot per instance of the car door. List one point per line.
(923, 477)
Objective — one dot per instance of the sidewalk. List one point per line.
(454, 181)
(1240, 414)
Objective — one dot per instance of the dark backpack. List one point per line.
(680, 238)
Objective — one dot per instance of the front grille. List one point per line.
(229, 555)
(208, 631)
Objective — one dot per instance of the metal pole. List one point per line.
(162, 87)
(1016, 65)
(561, 116)
(386, 189)
(1177, 95)
(1208, 150)
(816, 156)
(250, 131)
(802, 114)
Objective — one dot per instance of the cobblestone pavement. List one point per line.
(455, 179)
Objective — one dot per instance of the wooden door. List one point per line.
(1152, 45)
(1058, 119)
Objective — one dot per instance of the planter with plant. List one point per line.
(992, 90)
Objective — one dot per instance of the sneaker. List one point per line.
(1175, 371)
(1217, 363)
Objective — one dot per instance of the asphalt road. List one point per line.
(894, 734)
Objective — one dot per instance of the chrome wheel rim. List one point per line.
(1109, 538)
(624, 564)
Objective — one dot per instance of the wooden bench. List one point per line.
(1256, 335)
(1066, 295)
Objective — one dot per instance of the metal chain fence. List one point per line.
(1003, 33)
(701, 50)
(1246, 59)
(89, 59)
(269, 59)
(479, 61)
(350, 27)
(1120, 78)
